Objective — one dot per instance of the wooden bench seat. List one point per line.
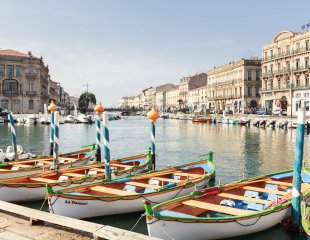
(23, 165)
(266, 190)
(112, 191)
(145, 185)
(120, 165)
(98, 169)
(304, 188)
(67, 159)
(166, 179)
(4, 170)
(193, 175)
(286, 184)
(243, 198)
(73, 175)
(217, 208)
(46, 180)
(46, 162)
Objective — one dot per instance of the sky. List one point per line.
(120, 47)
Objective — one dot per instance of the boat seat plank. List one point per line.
(4, 170)
(266, 190)
(120, 165)
(23, 165)
(73, 174)
(217, 208)
(243, 198)
(145, 185)
(46, 162)
(112, 191)
(193, 175)
(167, 179)
(97, 169)
(45, 180)
(304, 188)
(68, 159)
(286, 184)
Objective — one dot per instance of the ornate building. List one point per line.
(234, 86)
(23, 82)
(285, 72)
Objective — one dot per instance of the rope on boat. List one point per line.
(160, 202)
(142, 215)
(43, 203)
(248, 225)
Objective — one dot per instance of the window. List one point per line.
(250, 75)
(279, 67)
(1, 70)
(4, 104)
(271, 53)
(306, 62)
(257, 91)
(297, 106)
(306, 95)
(236, 92)
(307, 45)
(265, 69)
(297, 63)
(298, 47)
(271, 68)
(279, 52)
(265, 53)
(30, 104)
(257, 75)
(288, 66)
(298, 95)
(10, 71)
(249, 91)
(288, 49)
(297, 82)
(307, 105)
(10, 87)
(31, 87)
(240, 91)
(307, 81)
(18, 71)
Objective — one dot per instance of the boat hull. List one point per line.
(92, 207)
(213, 230)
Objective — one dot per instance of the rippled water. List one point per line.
(238, 151)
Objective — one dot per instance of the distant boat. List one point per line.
(31, 119)
(231, 210)
(69, 119)
(202, 120)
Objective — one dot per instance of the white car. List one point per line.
(279, 112)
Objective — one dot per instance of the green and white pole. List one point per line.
(153, 115)
(106, 142)
(56, 140)
(298, 159)
(52, 108)
(13, 134)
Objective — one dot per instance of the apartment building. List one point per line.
(285, 72)
(172, 98)
(235, 86)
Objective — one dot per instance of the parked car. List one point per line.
(279, 111)
(263, 111)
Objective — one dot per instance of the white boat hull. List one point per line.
(26, 194)
(95, 208)
(203, 231)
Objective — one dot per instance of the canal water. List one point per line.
(238, 152)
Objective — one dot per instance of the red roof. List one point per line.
(10, 52)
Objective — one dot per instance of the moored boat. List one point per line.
(36, 165)
(202, 120)
(126, 195)
(33, 187)
(230, 210)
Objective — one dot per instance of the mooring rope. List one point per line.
(142, 215)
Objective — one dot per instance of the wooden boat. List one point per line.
(230, 210)
(202, 119)
(36, 165)
(125, 195)
(33, 187)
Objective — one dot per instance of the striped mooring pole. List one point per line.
(52, 108)
(106, 142)
(98, 110)
(13, 134)
(298, 162)
(153, 115)
(56, 140)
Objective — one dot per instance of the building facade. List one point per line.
(23, 82)
(172, 98)
(285, 72)
(161, 95)
(235, 86)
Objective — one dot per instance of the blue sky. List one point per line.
(121, 47)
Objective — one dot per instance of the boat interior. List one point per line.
(147, 183)
(79, 172)
(235, 199)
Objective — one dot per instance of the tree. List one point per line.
(180, 101)
(86, 100)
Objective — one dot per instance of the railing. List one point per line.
(10, 92)
(31, 75)
(31, 93)
(284, 54)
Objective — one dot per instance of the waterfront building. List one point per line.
(285, 72)
(148, 98)
(161, 96)
(73, 101)
(23, 82)
(172, 97)
(235, 86)
(197, 93)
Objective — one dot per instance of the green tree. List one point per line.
(180, 101)
(86, 100)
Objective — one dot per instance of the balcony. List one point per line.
(31, 93)
(31, 75)
(10, 92)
